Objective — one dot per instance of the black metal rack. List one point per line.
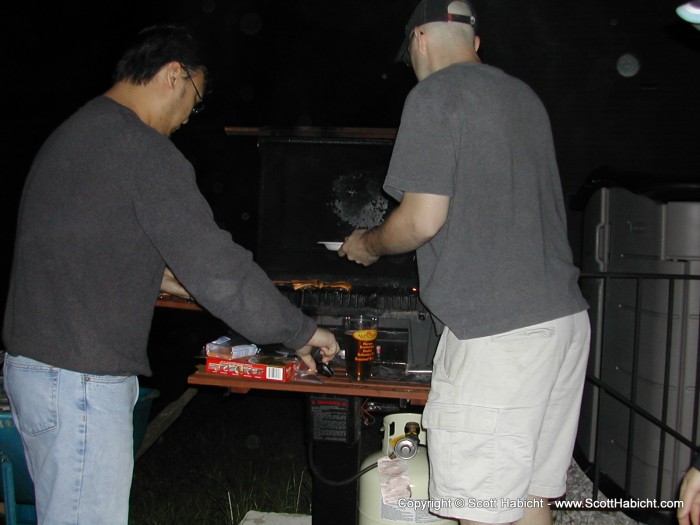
(676, 426)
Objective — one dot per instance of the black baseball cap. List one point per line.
(433, 11)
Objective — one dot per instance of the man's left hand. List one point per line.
(171, 285)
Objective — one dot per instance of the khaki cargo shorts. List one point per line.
(502, 416)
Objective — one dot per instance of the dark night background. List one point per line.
(330, 63)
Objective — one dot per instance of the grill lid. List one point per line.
(321, 188)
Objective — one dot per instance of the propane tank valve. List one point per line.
(406, 446)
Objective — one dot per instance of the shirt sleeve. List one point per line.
(219, 273)
(424, 158)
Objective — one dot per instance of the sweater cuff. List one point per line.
(305, 332)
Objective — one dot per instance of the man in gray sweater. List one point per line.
(110, 214)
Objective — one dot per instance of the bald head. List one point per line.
(440, 44)
(453, 35)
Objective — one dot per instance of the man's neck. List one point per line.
(136, 98)
(445, 60)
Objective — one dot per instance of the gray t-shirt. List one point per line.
(107, 204)
(502, 260)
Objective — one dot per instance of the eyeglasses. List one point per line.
(199, 106)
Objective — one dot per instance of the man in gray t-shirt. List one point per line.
(474, 168)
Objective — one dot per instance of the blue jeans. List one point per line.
(77, 431)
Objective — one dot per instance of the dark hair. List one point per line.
(154, 47)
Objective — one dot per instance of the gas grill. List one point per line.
(319, 185)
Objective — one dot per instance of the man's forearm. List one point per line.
(408, 227)
(392, 237)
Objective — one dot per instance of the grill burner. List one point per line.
(385, 303)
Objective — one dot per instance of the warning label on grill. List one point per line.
(333, 419)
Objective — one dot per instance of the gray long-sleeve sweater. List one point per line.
(107, 204)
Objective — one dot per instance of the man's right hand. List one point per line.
(690, 496)
(324, 340)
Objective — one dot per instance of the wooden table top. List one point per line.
(416, 393)
(170, 301)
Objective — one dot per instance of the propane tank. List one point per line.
(404, 443)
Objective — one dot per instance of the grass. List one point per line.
(224, 456)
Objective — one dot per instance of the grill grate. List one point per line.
(331, 302)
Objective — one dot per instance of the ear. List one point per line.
(422, 40)
(170, 73)
(477, 43)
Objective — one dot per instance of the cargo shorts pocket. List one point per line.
(33, 393)
(450, 360)
(460, 418)
(461, 448)
(525, 335)
(474, 453)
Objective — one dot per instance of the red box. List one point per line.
(263, 367)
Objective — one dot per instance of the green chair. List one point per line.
(17, 486)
